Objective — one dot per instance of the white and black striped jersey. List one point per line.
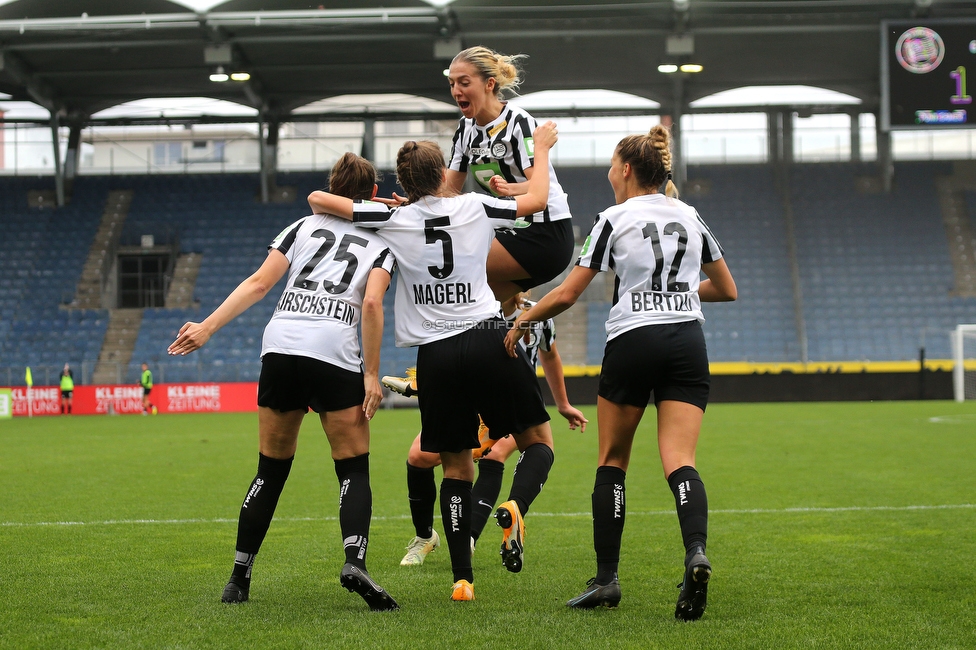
(542, 334)
(656, 245)
(441, 245)
(319, 311)
(504, 147)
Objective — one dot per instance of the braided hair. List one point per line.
(649, 155)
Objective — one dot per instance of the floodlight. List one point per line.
(667, 68)
(240, 76)
(691, 67)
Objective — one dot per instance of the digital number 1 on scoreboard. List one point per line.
(959, 75)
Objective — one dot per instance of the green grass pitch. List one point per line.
(844, 525)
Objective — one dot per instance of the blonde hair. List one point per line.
(649, 156)
(504, 69)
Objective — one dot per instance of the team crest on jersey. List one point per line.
(499, 149)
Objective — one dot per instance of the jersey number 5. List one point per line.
(342, 254)
(432, 235)
(650, 232)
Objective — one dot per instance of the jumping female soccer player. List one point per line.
(658, 246)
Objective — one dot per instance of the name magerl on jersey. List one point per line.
(443, 293)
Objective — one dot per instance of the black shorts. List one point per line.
(146, 391)
(470, 374)
(544, 250)
(293, 383)
(66, 394)
(669, 360)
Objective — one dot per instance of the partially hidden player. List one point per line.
(310, 359)
(540, 347)
(658, 246)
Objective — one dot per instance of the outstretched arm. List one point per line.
(376, 286)
(552, 366)
(555, 302)
(193, 336)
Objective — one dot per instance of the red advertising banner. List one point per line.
(167, 398)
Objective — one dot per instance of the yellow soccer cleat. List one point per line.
(462, 591)
(406, 386)
(513, 535)
(484, 439)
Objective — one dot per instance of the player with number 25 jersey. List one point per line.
(318, 313)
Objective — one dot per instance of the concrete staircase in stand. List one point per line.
(185, 272)
(120, 339)
(959, 229)
(89, 292)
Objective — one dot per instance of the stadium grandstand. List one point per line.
(151, 150)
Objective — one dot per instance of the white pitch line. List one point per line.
(731, 511)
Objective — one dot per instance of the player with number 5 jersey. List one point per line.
(658, 247)
(445, 307)
(310, 359)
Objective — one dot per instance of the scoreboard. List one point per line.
(924, 74)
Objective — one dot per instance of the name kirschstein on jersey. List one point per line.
(541, 334)
(656, 245)
(441, 245)
(504, 147)
(319, 311)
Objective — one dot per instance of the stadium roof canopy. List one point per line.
(298, 52)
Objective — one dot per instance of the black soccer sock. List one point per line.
(422, 493)
(692, 505)
(609, 512)
(484, 494)
(355, 507)
(456, 515)
(530, 475)
(256, 513)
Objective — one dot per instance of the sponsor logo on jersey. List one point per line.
(479, 152)
(586, 245)
(529, 146)
(302, 302)
(497, 128)
(443, 293)
(657, 301)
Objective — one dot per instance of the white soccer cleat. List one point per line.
(419, 548)
(406, 386)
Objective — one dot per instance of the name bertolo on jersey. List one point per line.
(442, 293)
(305, 303)
(658, 301)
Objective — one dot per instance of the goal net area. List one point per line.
(964, 362)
